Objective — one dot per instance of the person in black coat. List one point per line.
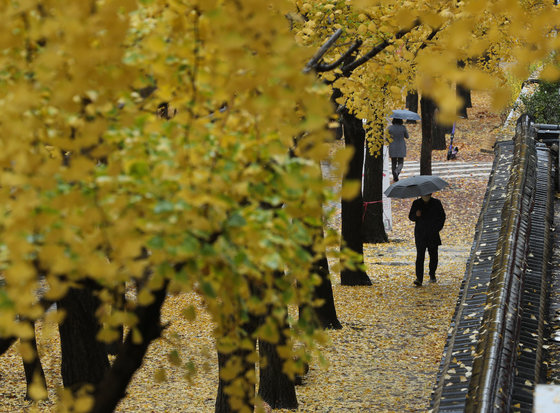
(429, 216)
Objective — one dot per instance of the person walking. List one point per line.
(429, 217)
(397, 146)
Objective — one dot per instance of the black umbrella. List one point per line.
(405, 114)
(415, 186)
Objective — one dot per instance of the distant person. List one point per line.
(429, 216)
(397, 147)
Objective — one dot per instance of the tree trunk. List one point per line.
(354, 137)
(275, 387)
(412, 103)
(428, 110)
(30, 368)
(84, 359)
(113, 387)
(465, 95)
(373, 229)
(114, 347)
(438, 136)
(325, 314)
(246, 370)
(6, 343)
(34, 369)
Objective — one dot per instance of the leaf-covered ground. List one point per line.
(386, 357)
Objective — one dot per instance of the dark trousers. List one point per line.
(421, 255)
(396, 167)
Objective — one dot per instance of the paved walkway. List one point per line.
(450, 169)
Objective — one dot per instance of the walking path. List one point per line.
(450, 169)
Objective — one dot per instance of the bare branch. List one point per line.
(113, 387)
(324, 48)
(331, 66)
(377, 49)
(429, 38)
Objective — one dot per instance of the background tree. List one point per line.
(544, 103)
(483, 35)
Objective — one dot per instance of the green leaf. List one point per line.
(208, 289)
(163, 206)
(189, 245)
(236, 220)
(5, 301)
(156, 242)
(139, 169)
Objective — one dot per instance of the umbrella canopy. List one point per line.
(415, 186)
(405, 114)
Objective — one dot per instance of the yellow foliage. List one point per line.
(145, 297)
(161, 130)
(550, 73)
(36, 390)
(107, 335)
(83, 404)
(350, 189)
(27, 352)
(160, 375)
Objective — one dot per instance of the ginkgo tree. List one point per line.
(110, 200)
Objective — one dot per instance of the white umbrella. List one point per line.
(404, 114)
(415, 186)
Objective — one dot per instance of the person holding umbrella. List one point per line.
(429, 216)
(397, 146)
(427, 213)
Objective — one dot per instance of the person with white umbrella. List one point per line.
(428, 214)
(397, 146)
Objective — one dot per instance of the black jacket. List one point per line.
(430, 223)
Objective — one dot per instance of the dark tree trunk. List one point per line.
(338, 133)
(373, 229)
(84, 359)
(325, 314)
(465, 95)
(6, 343)
(438, 136)
(427, 107)
(354, 137)
(30, 368)
(275, 387)
(113, 387)
(114, 347)
(247, 369)
(33, 369)
(412, 103)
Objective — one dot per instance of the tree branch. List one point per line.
(113, 387)
(347, 69)
(429, 38)
(320, 53)
(331, 66)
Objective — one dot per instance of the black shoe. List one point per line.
(417, 283)
(433, 279)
